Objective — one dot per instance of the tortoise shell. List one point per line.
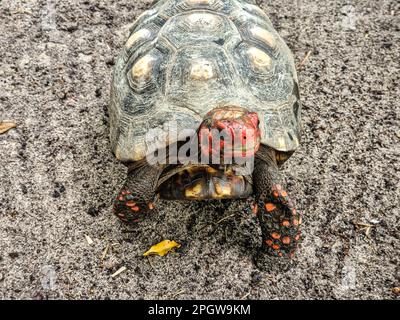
(186, 57)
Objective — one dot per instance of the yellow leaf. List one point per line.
(162, 248)
(5, 126)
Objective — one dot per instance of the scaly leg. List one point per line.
(136, 197)
(279, 220)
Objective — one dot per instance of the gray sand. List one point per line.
(58, 177)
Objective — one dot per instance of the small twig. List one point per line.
(105, 252)
(21, 11)
(218, 222)
(178, 293)
(305, 59)
(88, 240)
(120, 270)
(245, 296)
(364, 227)
(225, 218)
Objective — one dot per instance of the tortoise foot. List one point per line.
(128, 209)
(280, 223)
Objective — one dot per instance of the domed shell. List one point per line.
(184, 58)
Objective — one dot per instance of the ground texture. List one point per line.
(58, 177)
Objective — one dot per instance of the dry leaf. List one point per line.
(5, 126)
(162, 248)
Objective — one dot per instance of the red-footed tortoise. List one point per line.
(208, 65)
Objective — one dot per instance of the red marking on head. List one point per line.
(239, 129)
(269, 243)
(296, 222)
(136, 209)
(297, 237)
(121, 198)
(130, 203)
(284, 193)
(254, 208)
(294, 211)
(276, 246)
(286, 240)
(280, 254)
(275, 194)
(151, 206)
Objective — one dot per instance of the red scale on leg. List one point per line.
(286, 223)
(275, 235)
(130, 203)
(269, 243)
(270, 207)
(286, 240)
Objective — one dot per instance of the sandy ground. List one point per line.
(58, 177)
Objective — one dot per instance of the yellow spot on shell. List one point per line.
(264, 35)
(194, 192)
(211, 170)
(202, 71)
(162, 248)
(194, 2)
(138, 35)
(143, 67)
(201, 19)
(259, 58)
(281, 143)
(223, 190)
(118, 153)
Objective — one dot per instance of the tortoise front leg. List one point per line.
(136, 197)
(279, 220)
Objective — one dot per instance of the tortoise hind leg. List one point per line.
(279, 219)
(135, 199)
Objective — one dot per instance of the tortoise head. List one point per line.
(230, 132)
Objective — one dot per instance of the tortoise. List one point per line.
(207, 65)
